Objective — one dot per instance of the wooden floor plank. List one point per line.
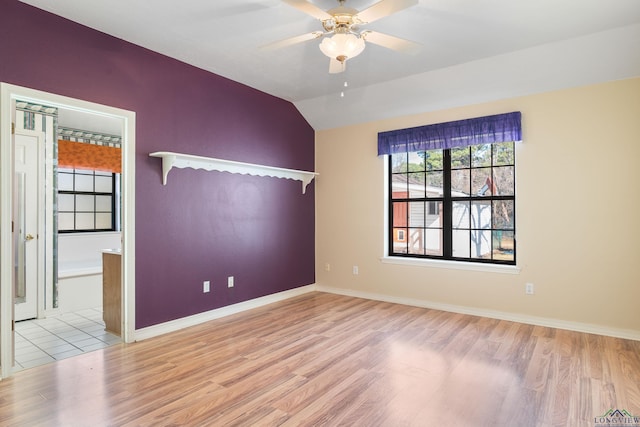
(324, 359)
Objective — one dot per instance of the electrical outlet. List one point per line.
(529, 289)
(355, 269)
(206, 286)
(327, 267)
(230, 281)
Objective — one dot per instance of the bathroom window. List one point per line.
(86, 201)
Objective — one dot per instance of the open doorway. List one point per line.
(57, 259)
(71, 161)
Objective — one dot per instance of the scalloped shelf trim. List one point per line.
(177, 160)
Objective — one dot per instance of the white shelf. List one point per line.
(176, 160)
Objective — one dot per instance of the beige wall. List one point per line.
(578, 212)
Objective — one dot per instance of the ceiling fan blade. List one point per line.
(291, 41)
(391, 42)
(384, 8)
(309, 9)
(336, 66)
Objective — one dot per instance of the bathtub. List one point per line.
(80, 269)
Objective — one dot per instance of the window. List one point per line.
(454, 204)
(452, 190)
(86, 200)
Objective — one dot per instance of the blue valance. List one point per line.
(461, 133)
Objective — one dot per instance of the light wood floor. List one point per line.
(322, 359)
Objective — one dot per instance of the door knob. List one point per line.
(29, 237)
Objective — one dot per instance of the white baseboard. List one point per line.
(513, 317)
(196, 319)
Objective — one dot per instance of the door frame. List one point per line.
(8, 94)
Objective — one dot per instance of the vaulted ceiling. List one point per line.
(470, 50)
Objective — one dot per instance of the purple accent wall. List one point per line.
(201, 225)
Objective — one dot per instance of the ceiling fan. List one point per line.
(342, 37)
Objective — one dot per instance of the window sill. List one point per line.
(452, 265)
(87, 233)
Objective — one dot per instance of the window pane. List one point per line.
(416, 161)
(504, 179)
(399, 162)
(416, 214)
(65, 221)
(460, 158)
(416, 241)
(481, 214)
(104, 184)
(83, 171)
(84, 183)
(461, 217)
(84, 203)
(481, 155)
(460, 183)
(481, 182)
(461, 243)
(400, 239)
(102, 173)
(84, 221)
(481, 244)
(503, 214)
(65, 202)
(103, 221)
(400, 214)
(433, 241)
(434, 184)
(503, 154)
(416, 191)
(65, 182)
(433, 218)
(503, 244)
(416, 184)
(433, 160)
(103, 203)
(399, 186)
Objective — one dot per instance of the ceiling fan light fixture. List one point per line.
(342, 46)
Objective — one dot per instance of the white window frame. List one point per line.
(432, 263)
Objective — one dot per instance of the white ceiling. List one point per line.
(81, 120)
(472, 50)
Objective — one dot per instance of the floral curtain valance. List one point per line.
(79, 155)
(460, 133)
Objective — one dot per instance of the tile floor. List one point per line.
(41, 341)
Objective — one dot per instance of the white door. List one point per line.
(25, 224)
